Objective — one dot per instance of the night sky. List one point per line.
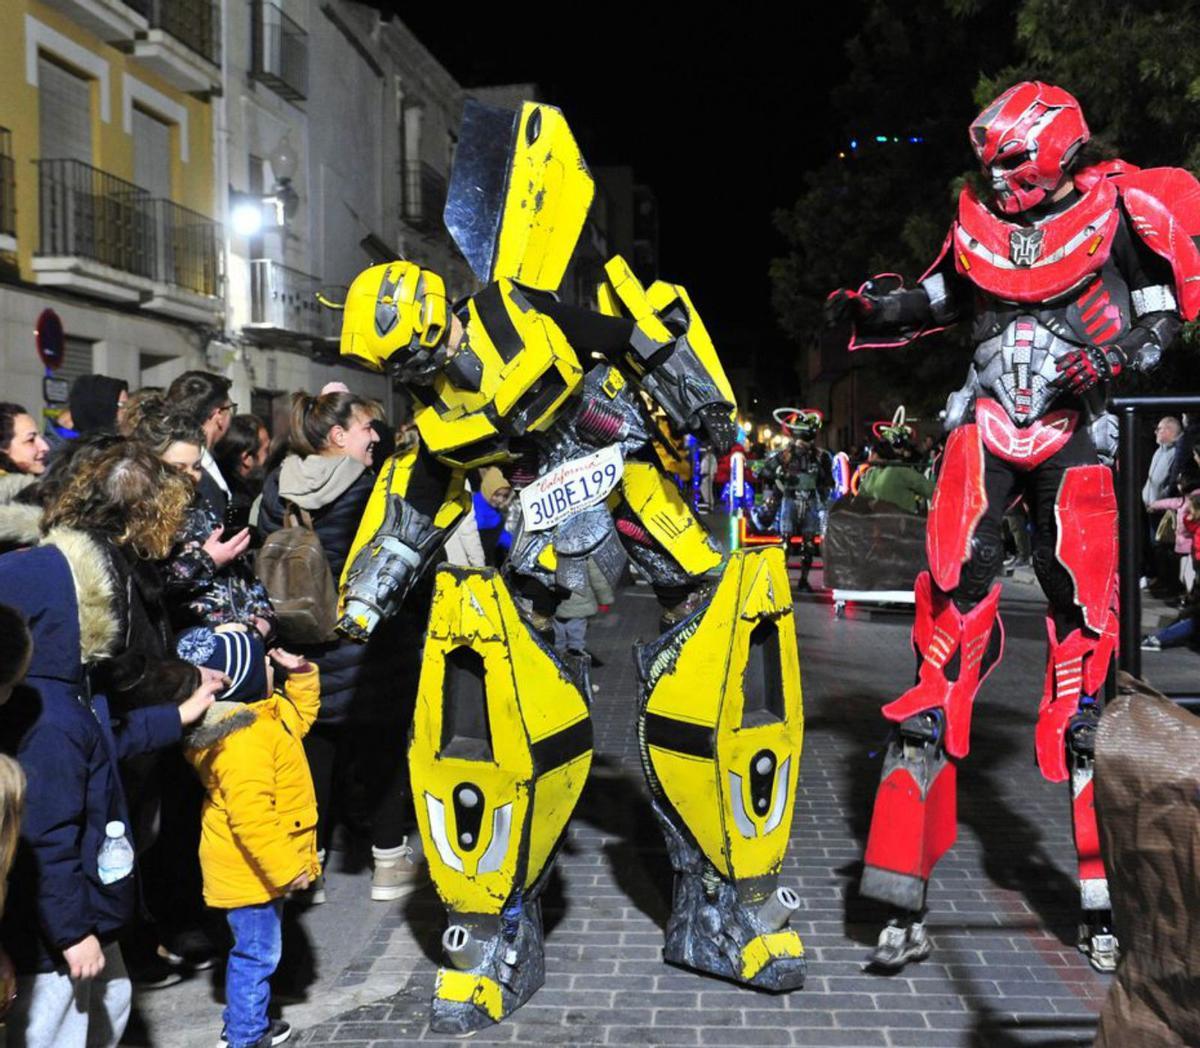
(719, 118)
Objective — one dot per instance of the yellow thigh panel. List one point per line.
(657, 504)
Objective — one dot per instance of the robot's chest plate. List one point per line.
(1017, 367)
(513, 374)
(1039, 262)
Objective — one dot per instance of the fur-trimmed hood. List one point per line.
(220, 720)
(95, 591)
(18, 521)
(12, 484)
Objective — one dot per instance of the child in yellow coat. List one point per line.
(258, 826)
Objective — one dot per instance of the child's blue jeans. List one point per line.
(257, 944)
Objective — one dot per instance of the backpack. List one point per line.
(293, 568)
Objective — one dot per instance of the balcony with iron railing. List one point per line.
(8, 193)
(102, 235)
(283, 302)
(116, 22)
(182, 42)
(85, 213)
(424, 196)
(279, 51)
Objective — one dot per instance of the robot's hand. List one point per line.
(384, 569)
(845, 306)
(1088, 366)
(717, 427)
(378, 580)
(1147, 357)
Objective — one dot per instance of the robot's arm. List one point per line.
(671, 354)
(413, 508)
(890, 315)
(1156, 320)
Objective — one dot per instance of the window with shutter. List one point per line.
(152, 154)
(64, 113)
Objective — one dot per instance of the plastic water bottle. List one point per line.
(115, 861)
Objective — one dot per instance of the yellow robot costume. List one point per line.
(502, 740)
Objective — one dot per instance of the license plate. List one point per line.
(571, 487)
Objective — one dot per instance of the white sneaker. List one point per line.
(395, 878)
(899, 946)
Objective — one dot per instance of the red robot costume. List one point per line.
(1069, 274)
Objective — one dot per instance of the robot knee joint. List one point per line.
(978, 574)
(922, 730)
(1081, 730)
(1053, 577)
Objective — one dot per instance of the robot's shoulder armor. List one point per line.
(1022, 263)
(509, 376)
(1163, 204)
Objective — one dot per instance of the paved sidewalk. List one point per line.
(1003, 905)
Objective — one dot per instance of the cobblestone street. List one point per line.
(1004, 971)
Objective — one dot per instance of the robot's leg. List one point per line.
(1078, 577)
(500, 751)
(1070, 711)
(806, 559)
(1096, 937)
(720, 731)
(957, 650)
(915, 820)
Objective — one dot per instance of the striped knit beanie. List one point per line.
(237, 654)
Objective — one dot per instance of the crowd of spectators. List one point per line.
(174, 772)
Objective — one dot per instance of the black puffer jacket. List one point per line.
(356, 679)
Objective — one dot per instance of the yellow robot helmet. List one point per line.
(395, 317)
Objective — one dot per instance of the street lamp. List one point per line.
(283, 163)
(246, 209)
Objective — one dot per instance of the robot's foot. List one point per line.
(803, 586)
(1099, 945)
(711, 930)
(489, 978)
(899, 944)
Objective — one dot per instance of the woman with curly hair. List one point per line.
(208, 578)
(122, 508)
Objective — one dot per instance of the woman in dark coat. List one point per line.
(359, 731)
(62, 920)
(128, 507)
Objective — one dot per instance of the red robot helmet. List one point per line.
(1025, 140)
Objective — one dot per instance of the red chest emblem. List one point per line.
(1035, 263)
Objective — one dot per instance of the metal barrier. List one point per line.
(86, 212)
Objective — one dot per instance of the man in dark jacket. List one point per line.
(62, 919)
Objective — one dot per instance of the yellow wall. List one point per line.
(112, 148)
